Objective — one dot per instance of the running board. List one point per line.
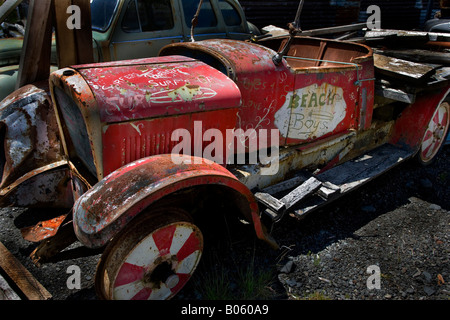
(312, 192)
(275, 208)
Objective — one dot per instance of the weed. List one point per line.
(215, 286)
(316, 260)
(239, 281)
(254, 284)
(317, 296)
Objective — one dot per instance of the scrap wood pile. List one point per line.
(407, 62)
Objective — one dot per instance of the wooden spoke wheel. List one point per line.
(152, 259)
(435, 134)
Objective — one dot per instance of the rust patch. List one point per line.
(43, 229)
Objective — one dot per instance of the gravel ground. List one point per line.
(398, 222)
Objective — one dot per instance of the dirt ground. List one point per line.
(397, 224)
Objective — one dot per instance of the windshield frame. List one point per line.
(111, 18)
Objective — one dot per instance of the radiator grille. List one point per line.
(80, 146)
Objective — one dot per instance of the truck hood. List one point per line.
(147, 88)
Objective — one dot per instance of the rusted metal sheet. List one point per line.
(32, 151)
(48, 186)
(28, 129)
(43, 229)
(106, 208)
(409, 71)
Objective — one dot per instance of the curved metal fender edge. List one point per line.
(106, 208)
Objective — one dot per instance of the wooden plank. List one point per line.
(83, 36)
(308, 187)
(24, 280)
(65, 38)
(7, 7)
(395, 94)
(75, 46)
(403, 69)
(328, 190)
(285, 185)
(350, 175)
(365, 168)
(413, 36)
(270, 202)
(418, 55)
(35, 56)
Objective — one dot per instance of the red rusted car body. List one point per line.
(116, 124)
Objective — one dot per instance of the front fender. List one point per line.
(106, 209)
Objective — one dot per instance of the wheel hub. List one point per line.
(164, 272)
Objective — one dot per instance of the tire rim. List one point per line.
(156, 267)
(435, 133)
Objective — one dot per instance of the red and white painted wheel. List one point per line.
(435, 134)
(151, 260)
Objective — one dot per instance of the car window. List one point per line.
(130, 22)
(148, 15)
(155, 15)
(207, 17)
(230, 14)
(102, 12)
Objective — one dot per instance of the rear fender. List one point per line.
(104, 210)
(412, 123)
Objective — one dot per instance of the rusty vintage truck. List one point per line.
(139, 149)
